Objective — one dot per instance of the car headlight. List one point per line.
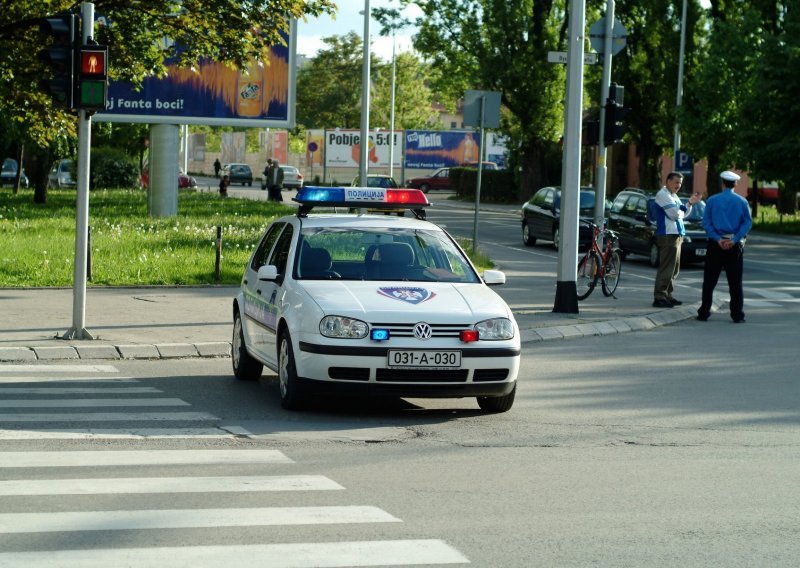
(342, 327)
(495, 329)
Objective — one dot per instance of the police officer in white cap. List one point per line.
(727, 221)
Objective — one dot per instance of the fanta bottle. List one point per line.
(250, 91)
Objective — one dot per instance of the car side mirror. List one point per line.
(268, 272)
(494, 277)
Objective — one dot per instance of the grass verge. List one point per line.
(128, 248)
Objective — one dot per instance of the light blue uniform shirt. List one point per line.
(727, 215)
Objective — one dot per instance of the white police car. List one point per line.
(372, 304)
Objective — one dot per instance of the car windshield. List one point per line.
(414, 255)
(9, 166)
(696, 214)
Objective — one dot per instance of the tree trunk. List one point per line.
(533, 174)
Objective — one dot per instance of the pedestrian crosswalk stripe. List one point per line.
(118, 433)
(16, 523)
(90, 402)
(77, 390)
(33, 369)
(295, 555)
(108, 417)
(112, 486)
(88, 458)
(68, 380)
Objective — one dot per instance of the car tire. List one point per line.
(498, 403)
(556, 237)
(527, 238)
(655, 259)
(425, 188)
(244, 366)
(292, 396)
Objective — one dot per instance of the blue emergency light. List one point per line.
(357, 197)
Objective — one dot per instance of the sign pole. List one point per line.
(602, 168)
(480, 170)
(78, 329)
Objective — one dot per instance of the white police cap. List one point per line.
(728, 175)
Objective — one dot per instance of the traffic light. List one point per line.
(614, 128)
(92, 78)
(60, 57)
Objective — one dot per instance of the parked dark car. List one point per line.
(440, 179)
(541, 216)
(633, 216)
(238, 173)
(9, 174)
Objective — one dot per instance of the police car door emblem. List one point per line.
(409, 295)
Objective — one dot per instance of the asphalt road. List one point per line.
(675, 446)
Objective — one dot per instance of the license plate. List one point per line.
(426, 359)
(700, 252)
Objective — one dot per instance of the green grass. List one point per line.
(128, 247)
(769, 220)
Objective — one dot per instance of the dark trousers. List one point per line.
(717, 260)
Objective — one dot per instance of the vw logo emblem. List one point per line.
(423, 331)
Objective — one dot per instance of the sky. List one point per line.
(348, 18)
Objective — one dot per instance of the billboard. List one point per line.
(261, 95)
(343, 148)
(430, 149)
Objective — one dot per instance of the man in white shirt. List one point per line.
(670, 212)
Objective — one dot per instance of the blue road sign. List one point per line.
(684, 163)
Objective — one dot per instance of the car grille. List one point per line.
(421, 375)
(439, 330)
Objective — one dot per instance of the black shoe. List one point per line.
(702, 317)
(740, 320)
(662, 303)
(675, 302)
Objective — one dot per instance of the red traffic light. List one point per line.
(93, 62)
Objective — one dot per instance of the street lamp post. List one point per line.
(391, 111)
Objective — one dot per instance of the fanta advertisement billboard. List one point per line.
(262, 95)
(343, 148)
(430, 149)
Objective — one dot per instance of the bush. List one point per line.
(497, 186)
(112, 168)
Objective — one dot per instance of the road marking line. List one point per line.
(15, 523)
(118, 434)
(90, 458)
(58, 369)
(78, 390)
(113, 486)
(296, 555)
(109, 380)
(91, 402)
(107, 417)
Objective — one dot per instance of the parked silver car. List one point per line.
(292, 178)
(61, 175)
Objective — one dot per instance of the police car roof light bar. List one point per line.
(356, 197)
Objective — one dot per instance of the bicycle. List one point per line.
(600, 263)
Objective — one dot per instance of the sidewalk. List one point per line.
(177, 322)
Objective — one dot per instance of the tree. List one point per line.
(413, 97)
(229, 31)
(502, 45)
(329, 86)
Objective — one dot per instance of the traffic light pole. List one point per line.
(78, 329)
(602, 169)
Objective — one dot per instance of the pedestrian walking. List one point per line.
(268, 172)
(727, 221)
(670, 212)
(223, 186)
(217, 167)
(276, 182)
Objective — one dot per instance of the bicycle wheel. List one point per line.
(611, 272)
(588, 271)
